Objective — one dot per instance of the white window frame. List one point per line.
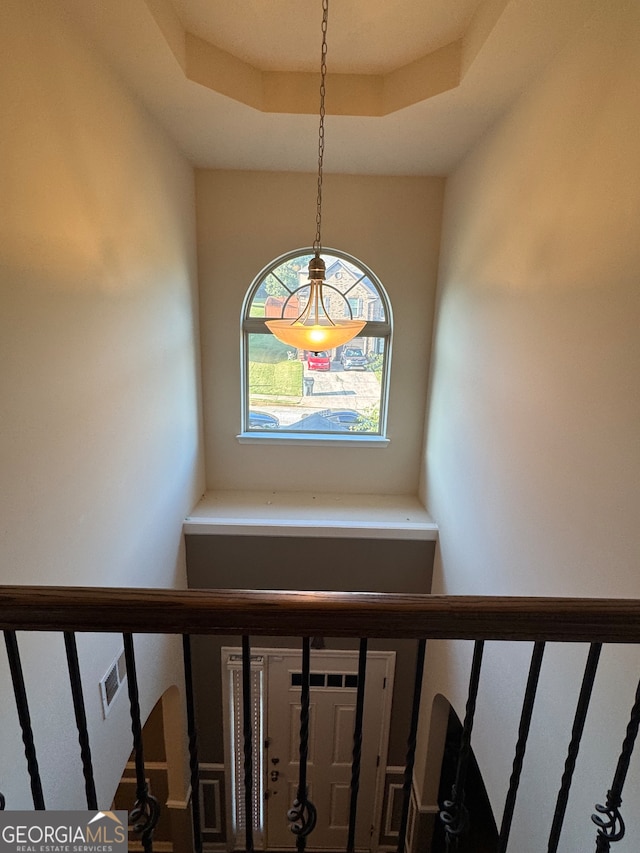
(373, 328)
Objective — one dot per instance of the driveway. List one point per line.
(342, 389)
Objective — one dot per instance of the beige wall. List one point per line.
(100, 440)
(533, 454)
(245, 220)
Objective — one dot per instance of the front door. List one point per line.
(332, 715)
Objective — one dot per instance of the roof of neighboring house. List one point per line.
(338, 265)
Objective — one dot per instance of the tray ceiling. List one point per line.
(412, 84)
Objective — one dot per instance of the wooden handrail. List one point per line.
(333, 614)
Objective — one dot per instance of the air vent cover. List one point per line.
(112, 681)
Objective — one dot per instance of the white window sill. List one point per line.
(333, 439)
(311, 514)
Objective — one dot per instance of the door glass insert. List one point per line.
(327, 679)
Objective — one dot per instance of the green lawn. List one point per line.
(267, 348)
(281, 379)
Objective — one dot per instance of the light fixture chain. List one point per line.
(314, 329)
(317, 243)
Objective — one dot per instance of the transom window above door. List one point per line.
(332, 395)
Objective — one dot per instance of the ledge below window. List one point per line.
(311, 514)
(335, 440)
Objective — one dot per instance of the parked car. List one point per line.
(353, 357)
(319, 360)
(342, 416)
(262, 420)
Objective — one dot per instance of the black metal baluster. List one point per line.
(521, 746)
(302, 814)
(411, 745)
(455, 815)
(248, 745)
(357, 746)
(193, 744)
(611, 827)
(81, 718)
(22, 705)
(146, 810)
(574, 744)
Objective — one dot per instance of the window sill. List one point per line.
(308, 514)
(339, 439)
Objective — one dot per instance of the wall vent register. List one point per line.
(112, 682)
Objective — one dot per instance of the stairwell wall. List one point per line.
(532, 459)
(100, 440)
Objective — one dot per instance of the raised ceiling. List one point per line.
(412, 83)
(365, 36)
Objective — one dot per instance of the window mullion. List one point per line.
(373, 328)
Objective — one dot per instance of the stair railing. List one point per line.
(247, 613)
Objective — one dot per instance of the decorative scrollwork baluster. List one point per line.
(302, 814)
(582, 707)
(22, 707)
(193, 745)
(521, 745)
(144, 817)
(411, 746)
(146, 809)
(455, 814)
(81, 718)
(609, 820)
(455, 817)
(357, 747)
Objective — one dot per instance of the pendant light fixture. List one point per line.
(314, 329)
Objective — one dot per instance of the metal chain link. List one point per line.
(317, 243)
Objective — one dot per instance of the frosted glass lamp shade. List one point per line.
(315, 336)
(314, 330)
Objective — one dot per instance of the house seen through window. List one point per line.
(340, 392)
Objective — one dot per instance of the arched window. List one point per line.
(335, 394)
